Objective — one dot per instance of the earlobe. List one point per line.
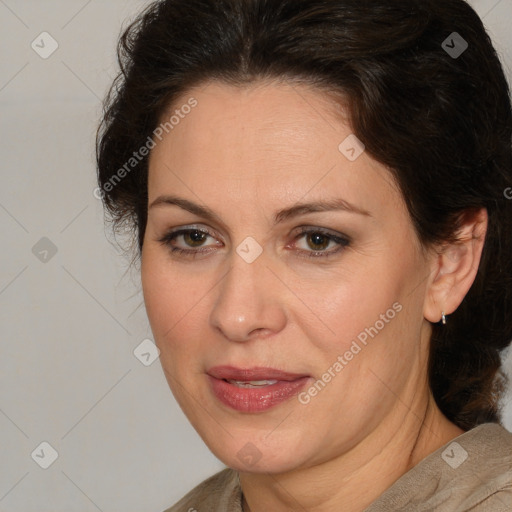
(455, 266)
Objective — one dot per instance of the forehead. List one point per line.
(278, 141)
(265, 116)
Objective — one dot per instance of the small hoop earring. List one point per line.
(443, 318)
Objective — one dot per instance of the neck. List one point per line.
(345, 483)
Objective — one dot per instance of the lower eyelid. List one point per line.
(321, 254)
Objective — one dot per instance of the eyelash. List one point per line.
(342, 241)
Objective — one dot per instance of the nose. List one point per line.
(249, 302)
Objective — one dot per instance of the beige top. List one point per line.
(473, 472)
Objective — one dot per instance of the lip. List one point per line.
(254, 400)
(257, 373)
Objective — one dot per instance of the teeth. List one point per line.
(252, 383)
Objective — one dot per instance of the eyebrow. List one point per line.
(337, 204)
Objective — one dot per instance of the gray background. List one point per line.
(70, 321)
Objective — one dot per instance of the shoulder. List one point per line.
(473, 472)
(220, 492)
(489, 457)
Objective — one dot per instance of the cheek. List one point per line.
(167, 294)
(366, 314)
(345, 304)
(370, 352)
(178, 305)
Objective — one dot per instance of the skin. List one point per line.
(246, 153)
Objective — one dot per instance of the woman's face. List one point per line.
(270, 248)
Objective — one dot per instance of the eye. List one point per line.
(318, 242)
(187, 241)
(309, 242)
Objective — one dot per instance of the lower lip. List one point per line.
(255, 399)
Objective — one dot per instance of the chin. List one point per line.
(256, 456)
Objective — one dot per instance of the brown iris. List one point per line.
(317, 241)
(194, 238)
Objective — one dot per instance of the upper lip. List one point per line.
(248, 374)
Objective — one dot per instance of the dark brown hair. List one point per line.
(441, 122)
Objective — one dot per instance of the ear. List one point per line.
(455, 265)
